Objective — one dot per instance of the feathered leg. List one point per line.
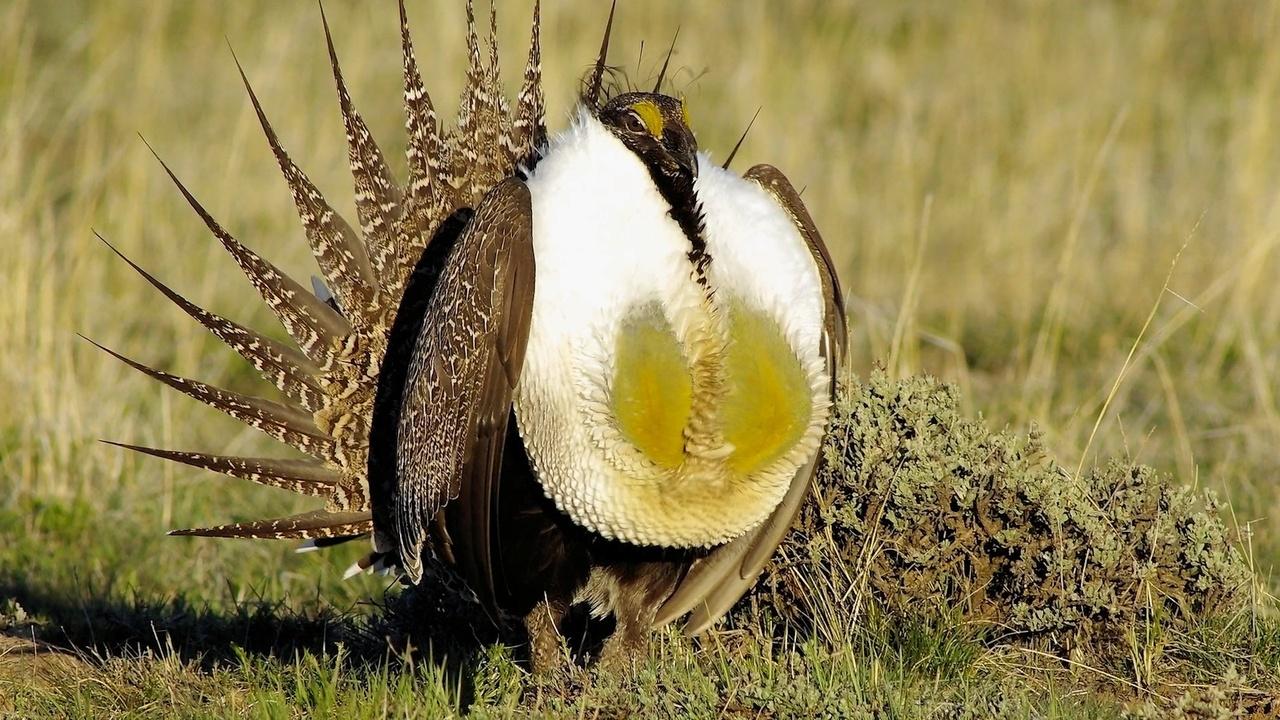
(635, 592)
(630, 639)
(547, 650)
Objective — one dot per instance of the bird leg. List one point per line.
(629, 641)
(547, 650)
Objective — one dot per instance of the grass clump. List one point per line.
(927, 513)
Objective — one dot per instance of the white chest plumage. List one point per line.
(644, 388)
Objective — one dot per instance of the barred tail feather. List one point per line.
(465, 146)
(497, 154)
(304, 477)
(313, 325)
(289, 370)
(377, 196)
(528, 129)
(340, 254)
(288, 425)
(426, 148)
(329, 380)
(310, 525)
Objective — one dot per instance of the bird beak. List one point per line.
(684, 148)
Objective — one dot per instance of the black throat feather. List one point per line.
(677, 190)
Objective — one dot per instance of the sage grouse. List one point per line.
(587, 368)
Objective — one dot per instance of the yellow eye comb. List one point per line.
(651, 116)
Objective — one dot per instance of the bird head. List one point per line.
(656, 128)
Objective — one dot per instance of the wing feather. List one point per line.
(714, 583)
(776, 184)
(457, 394)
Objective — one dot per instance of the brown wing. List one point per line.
(463, 369)
(772, 180)
(714, 583)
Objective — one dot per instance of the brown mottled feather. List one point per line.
(286, 424)
(338, 251)
(528, 128)
(317, 524)
(427, 155)
(498, 152)
(482, 465)
(425, 145)
(332, 377)
(289, 370)
(315, 326)
(465, 141)
(461, 376)
(305, 477)
(376, 194)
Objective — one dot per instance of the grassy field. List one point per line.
(1068, 210)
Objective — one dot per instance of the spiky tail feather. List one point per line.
(328, 381)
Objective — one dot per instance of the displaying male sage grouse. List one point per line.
(592, 368)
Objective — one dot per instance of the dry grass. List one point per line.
(1003, 186)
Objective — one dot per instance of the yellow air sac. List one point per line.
(768, 399)
(652, 389)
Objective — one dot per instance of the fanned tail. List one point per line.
(287, 368)
(328, 377)
(286, 423)
(314, 326)
(342, 257)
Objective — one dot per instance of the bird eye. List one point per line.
(632, 122)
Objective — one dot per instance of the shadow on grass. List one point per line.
(96, 625)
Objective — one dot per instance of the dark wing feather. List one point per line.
(458, 392)
(483, 465)
(714, 583)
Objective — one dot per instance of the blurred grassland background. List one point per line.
(1003, 185)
